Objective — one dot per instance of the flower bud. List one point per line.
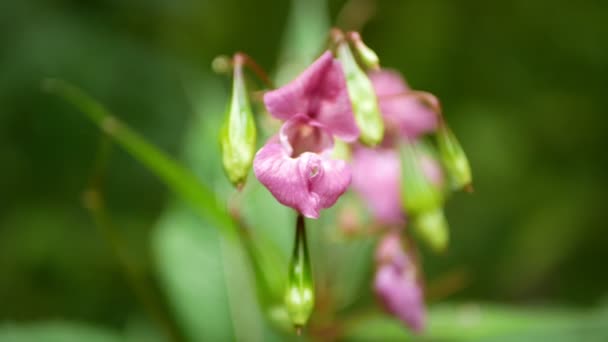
(432, 227)
(238, 133)
(368, 57)
(418, 192)
(300, 294)
(454, 158)
(363, 98)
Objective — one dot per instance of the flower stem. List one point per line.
(241, 59)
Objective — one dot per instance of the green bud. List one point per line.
(300, 294)
(368, 57)
(454, 159)
(341, 150)
(363, 98)
(432, 227)
(418, 193)
(238, 132)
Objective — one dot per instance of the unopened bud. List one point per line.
(432, 227)
(418, 192)
(368, 57)
(238, 133)
(363, 98)
(300, 294)
(453, 158)
(221, 64)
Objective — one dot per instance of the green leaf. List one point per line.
(189, 260)
(472, 322)
(179, 179)
(56, 332)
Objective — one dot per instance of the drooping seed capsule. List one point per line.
(432, 227)
(300, 294)
(368, 57)
(454, 158)
(418, 192)
(238, 132)
(362, 96)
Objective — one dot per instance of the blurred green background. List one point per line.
(522, 83)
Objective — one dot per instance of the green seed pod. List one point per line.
(418, 193)
(432, 227)
(367, 56)
(300, 294)
(454, 159)
(238, 132)
(363, 98)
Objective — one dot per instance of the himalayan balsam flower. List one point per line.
(396, 283)
(296, 165)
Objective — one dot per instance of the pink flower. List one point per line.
(405, 114)
(396, 283)
(295, 166)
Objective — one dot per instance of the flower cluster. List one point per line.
(403, 160)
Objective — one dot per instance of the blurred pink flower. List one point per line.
(405, 114)
(377, 178)
(295, 166)
(396, 283)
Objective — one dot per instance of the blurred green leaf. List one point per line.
(307, 27)
(178, 178)
(56, 332)
(190, 265)
(472, 322)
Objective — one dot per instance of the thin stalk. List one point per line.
(94, 203)
(245, 60)
(178, 178)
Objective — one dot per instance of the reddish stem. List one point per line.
(242, 59)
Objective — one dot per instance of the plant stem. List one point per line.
(94, 203)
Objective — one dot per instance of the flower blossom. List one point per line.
(296, 165)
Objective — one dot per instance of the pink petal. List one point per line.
(388, 82)
(390, 250)
(319, 93)
(407, 114)
(335, 111)
(307, 183)
(401, 296)
(396, 282)
(377, 178)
